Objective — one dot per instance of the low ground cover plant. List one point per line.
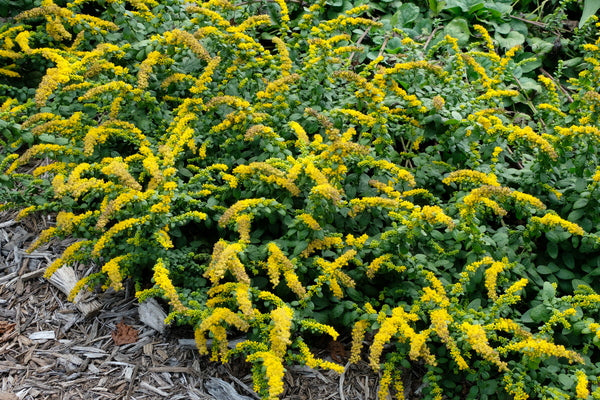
(250, 167)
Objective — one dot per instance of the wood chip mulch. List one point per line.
(50, 350)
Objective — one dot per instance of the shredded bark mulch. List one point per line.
(50, 350)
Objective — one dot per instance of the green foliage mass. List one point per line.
(280, 173)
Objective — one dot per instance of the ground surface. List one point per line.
(50, 350)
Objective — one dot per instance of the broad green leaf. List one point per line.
(589, 8)
(548, 291)
(552, 249)
(458, 28)
(511, 40)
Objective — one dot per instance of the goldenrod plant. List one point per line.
(248, 165)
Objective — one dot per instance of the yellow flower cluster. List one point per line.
(112, 269)
(538, 348)
(470, 176)
(440, 320)
(491, 276)
(68, 256)
(278, 262)
(319, 244)
(477, 338)
(279, 336)
(581, 388)
(161, 278)
(435, 215)
(225, 258)
(213, 324)
(233, 212)
(313, 362)
(553, 220)
(332, 274)
(398, 322)
(274, 370)
(120, 226)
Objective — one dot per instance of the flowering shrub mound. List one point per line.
(238, 162)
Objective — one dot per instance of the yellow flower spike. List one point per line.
(112, 269)
(529, 136)
(201, 84)
(581, 388)
(177, 36)
(279, 334)
(162, 237)
(509, 297)
(120, 169)
(376, 264)
(477, 338)
(309, 221)
(486, 37)
(274, 371)
(553, 220)
(440, 320)
(479, 69)
(277, 263)
(491, 275)
(317, 327)
(242, 296)
(435, 215)
(536, 348)
(360, 118)
(313, 362)
(470, 176)
(225, 258)
(161, 278)
(68, 256)
(115, 229)
(398, 322)
(44, 237)
(385, 381)
(78, 287)
(358, 334)
(558, 317)
(243, 222)
(241, 205)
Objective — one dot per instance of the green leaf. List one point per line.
(539, 313)
(529, 84)
(565, 274)
(589, 8)
(44, 137)
(580, 203)
(539, 45)
(511, 40)
(575, 215)
(547, 269)
(566, 380)
(406, 14)
(548, 291)
(552, 249)
(458, 28)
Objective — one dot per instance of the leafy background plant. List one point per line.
(421, 173)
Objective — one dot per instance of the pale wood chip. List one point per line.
(154, 389)
(42, 335)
